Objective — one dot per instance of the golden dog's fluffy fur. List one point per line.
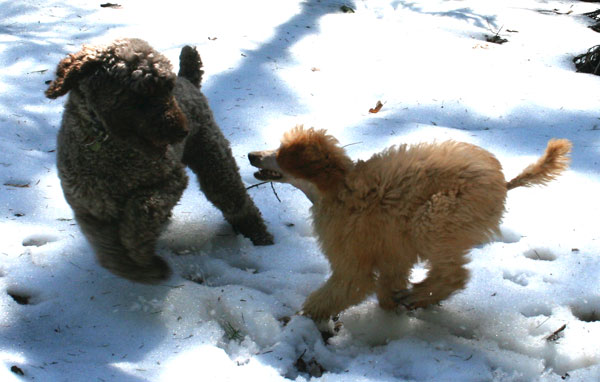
(374, 219)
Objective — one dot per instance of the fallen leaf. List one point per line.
(376, 108)
(556, 334)
(18, 185)
(111, 5)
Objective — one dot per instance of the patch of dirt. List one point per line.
(495, 39)
(17, 370)
(312, 367)
(588, 62)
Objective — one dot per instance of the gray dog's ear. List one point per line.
(70, 69)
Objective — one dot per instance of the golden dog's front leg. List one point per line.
(337, 294)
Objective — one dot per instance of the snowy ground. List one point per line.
(270, 65)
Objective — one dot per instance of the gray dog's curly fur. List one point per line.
(122, 148)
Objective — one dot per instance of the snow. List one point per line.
(268, 66)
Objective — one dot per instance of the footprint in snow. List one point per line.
(508, 236)
(517, 278)
(37, 240)
(536, 310)
(22, 297)
(543, 254)
(587, 312)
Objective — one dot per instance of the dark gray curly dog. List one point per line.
(122, 148)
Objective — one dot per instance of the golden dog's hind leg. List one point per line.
(388, 287)
(392, 277)
(444, 229)
(447, 275)
(337, 294)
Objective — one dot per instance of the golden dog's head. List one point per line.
(304, 156)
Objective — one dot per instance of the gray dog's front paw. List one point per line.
(154, 273)
(265, 238)
(252, 227)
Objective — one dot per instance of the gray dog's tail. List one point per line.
(190, 65)
(554, 161)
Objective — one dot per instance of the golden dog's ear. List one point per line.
(315, 156)
(70, 69)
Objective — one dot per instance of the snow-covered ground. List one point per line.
(270, 65)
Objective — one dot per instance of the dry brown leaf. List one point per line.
(376, 108)
(18, 185)
(111, 5)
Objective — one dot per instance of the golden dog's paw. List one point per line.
(404, 298)
(315, 311)
(415, 298)
(313, 315)
(323, 325)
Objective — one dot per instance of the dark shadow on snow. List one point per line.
(529, 132)
(464, 14)
(259, 67)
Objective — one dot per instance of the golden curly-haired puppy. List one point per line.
(374, 219)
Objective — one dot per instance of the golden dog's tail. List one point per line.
(554, 161)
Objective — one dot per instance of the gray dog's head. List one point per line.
(128, 87)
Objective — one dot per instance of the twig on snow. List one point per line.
(554, 336)
(275, 192)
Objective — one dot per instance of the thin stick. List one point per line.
(350, 144)
(546, 320)
(257, 184)
(272, 188)
(490, 27)
(275, 192)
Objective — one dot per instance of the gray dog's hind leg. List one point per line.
(208, 154)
